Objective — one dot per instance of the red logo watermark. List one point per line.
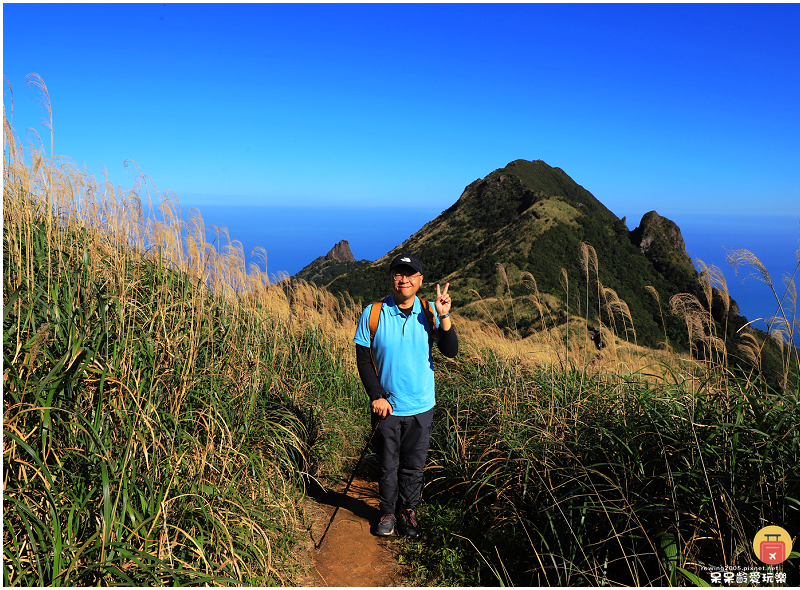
(772, 545)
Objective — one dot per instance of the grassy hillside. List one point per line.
(544, 478)
(161, 408)
(156, 433)
(322, 272)
(528, 216)
(163, 411)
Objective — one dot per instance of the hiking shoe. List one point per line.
(385, 525)
(408, 525)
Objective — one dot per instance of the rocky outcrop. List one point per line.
(660, 239)
(341, 252)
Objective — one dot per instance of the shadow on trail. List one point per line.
(348, 553)
(353, 502)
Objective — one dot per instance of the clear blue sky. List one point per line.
(687, 109)
(692, 106)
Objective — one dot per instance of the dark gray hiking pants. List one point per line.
(402, 447)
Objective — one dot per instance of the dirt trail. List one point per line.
(350, 554)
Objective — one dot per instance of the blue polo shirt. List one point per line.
(402, 354)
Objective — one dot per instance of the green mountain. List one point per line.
(532, 218)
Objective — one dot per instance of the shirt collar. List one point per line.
(417, 308)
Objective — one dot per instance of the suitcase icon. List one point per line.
(772, 552)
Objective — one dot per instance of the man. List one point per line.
(400, 386)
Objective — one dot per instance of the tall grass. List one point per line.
(581, 480)
(555, 473)
(162, 406)
(784, 325)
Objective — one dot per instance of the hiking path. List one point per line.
(350, 554)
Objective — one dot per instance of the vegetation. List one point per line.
(541, 477)
(157, 426)
(322, 272)
(164, 408)
(585, 469)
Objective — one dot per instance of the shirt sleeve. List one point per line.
(366, 371)
(448, 342)
(362, 331)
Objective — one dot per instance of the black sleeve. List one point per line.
(448, 342)
(366, 371)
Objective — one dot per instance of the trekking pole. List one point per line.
(347, 487)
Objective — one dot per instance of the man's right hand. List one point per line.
(382, 407)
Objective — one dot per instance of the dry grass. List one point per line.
(564, 343)
(784, 325)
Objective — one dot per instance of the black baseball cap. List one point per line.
(407, 260)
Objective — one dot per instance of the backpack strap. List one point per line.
(426, 306)
(374, 316)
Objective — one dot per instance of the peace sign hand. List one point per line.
(443, 301)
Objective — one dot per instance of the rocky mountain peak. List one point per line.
(654, 228)
(660, 239)
(341, 252)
